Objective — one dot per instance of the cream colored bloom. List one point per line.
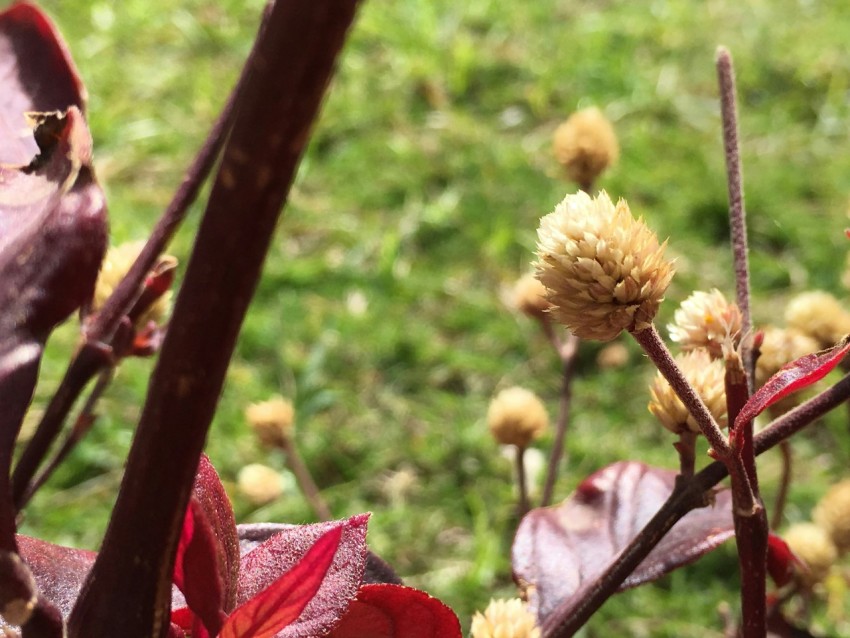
(832, 513)
(819, 315)
(605, 271)
(706, 320)
(529, 297)
(272, 421)
(813, 546)
(260, 484)
(505, 619)
(585, 145)
(707, 376)
(517, 416)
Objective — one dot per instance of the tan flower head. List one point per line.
(813, 546)
(605, 270)
(259, 483)
(832, 513)
(706, 320)
(272, 420)
(707, 376)
(529, 297)
(819, 315)
(517, 416)
(505, 619)
(585, 145)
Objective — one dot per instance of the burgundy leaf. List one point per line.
(557, 549)
(794, 376)
(281, 552)
(394, 611)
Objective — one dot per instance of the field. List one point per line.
(382, 310)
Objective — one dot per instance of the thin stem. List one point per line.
(305, 480)
(784, 486)
(568, 353)
(522, 486)
(737, 215)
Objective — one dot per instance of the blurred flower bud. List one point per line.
(260, 484)
(813, 546)
(819, 315)
(273, 421)
(832, 513)
(529, 297)
(614, 355)
(706, 320)
(516, 416)
(505, 619)
(781, 346)
(605, 270)
(707, 376)
(585, 145)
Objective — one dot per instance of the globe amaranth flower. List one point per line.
(820, 315)
(604, 270)
(706, 320)
(779, 347)
(832, 513)
(707, 376)
(273, 421)
(517, 416)
(585, 145)
(505, 619)
(529, 297)
(811, 543)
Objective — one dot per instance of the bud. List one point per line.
(260, 484)
(585, 145)
(706, 320)
(516, 416)
(819, 315)
(272, 421)
(706, 376)
(813, 546)
(529, 297)
(832, 513)
(614, 355)
(604, 270)
(505, 619)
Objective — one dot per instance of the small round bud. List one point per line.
(260, 484)
(585, 145)
(529, 297)
(505, 619)
(614, 355)
(273, 421)
(605, 270)
(832, 513)
(517, 416)
(706, 320)
(819, 315)
(707, 376)
(813, 546)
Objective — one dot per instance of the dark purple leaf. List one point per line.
(794, 376)
(281, 552)
(559, 548)
(394, 611)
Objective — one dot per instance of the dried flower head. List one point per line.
(585, 145)
(116, 264)
(605, 270)
(260, 484)
(813, 546)
(505, 619)
(707, 376)
(272, 421)
(529, 297)
(819, 315)
(517, 416)
(706, 320)
(832, 513)
(614, 355)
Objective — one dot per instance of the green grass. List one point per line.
(420, 194)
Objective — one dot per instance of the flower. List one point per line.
(260, 484)
(529, 297)
(605, 271)
(832, 513)
(813, 546)
(707, 376)
(820, 315)
(585, 145)
(779, 347)
(272, 421)
(517, 416)
(706, 320)
(505, 619)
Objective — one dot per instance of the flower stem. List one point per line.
(568, 353)
(305, 480)
(522, 485)
(784, 485)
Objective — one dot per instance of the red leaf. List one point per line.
(781, 561)
(394, 611)
(282, 551)
(558, 549)
(794, 376)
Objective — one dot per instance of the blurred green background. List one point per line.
(382, 309)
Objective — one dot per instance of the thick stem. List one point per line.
(751, 539)
(568, 353)
(686, 447)
(305, 481)
(784, 485)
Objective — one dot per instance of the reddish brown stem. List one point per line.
(784, 485)
(568, 354)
